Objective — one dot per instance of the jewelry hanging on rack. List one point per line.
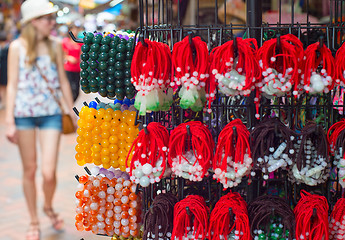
(337, 221)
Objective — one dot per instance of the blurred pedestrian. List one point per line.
(3, 67)
(35, 75)
(72, 51)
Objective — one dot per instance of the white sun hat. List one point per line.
(32, 9)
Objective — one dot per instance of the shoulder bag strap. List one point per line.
(50, 89)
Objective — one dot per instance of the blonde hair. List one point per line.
(29, 34)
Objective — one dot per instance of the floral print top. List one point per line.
(33, 97)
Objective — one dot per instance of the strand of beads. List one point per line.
(190, 218)
(335, 137)
(234, 68)
(148, 155)
(312, 161)
(315, 80)
(190, 150)
(271, 218)
(158, 221)
(272, 145)
(232, 159)
(337, 221)
(311, 214)
(106, 63)
(281, 60)
(108, 206)
(151, 72)
(190, 72)
(229, 219)
(105, 134)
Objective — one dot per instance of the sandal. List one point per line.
(57, 222)
(33, 233)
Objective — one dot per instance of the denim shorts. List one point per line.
(44, 122)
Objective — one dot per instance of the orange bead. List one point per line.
(105, 143)
(132, 218)
(109, 111)
(88, 159)
(123, 127)
(114, 123)
(133, 226)
(87, 144)
(106, 165)
(123, 168)
(105, 134)
(93, 219)
(83, 179)
(126, 191)
(80, 131)
(132, 196)
(125, 207)
(93, 212)
(96, 156)
(79, 156)
(79, 148)
(134, 233)
(87, 152)
(96, 139)
(109, 205)
(124, 215)
(100, 113)
(96, 148)
(97, 162)
(80, 139)
(117, 115)
(94, 191)
(118, 194)
(103, 187)
(122, 144)
(96, 130)
(113, 148)
(117, 201)
(79, 217)
(114, 163)
(122, 136)
(98, 122)
(113, 139)
(107, 117)
(125, 234)
(112, 182)
(108, 228)
(88, 126)
(122, 154)
(125, 229)
(122, 161)
(105, 151)
(79, 194)
(88, 135)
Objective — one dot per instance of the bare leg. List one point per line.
(27, 149)
(49, 141)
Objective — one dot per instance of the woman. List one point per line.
(31, 109)
(72, 51)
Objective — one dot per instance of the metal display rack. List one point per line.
(159, 22)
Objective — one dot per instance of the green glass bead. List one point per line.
(127, 82)
(102, 83)
(121, 48)
(120, 93)
(118, 83)
(129, 46)
(127, 64)
(111, 70)
(95, 47)
(127, 73)
(93, 82)
(85, 48)
(93, 73)
(278, 230)
(120, 56)
(111, 61)
(112, 52)
(262, 236)
(102, 91)
(86, 89)
(93, 55)
(110, 88)
(103, 74)
(84, 56)
(84, 65)
(103, 56)
(93, 64)
(102, 65)
(110, 79)
(118, 74)
(123, 41)
(130, 95)
(113, 44)
(105, 48)
(84, 73)
(131, 40)
(119, 65)
(117, 39)
(97, 38)
(129, 55)
(87, 39)
(129, 89)
(106, 40)
(84, 82)
(110, 94)
(94, 89)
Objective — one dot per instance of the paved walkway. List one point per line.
(14, 217)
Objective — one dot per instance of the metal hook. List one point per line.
(76, 111)
(87, 170)
(141, 38)
(188, 130)
(235, 47)
(234, 135)
(74, 38)
(77, 177)
(278, 46)
(145, 129)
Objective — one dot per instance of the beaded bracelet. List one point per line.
(311, 214)
(191, 72)
(191, 149)
(314, 80)
(158, 221)
(190, 218)
(337, 221)
(271, 217)
(232, 159)
(229, 219)
(148, 155)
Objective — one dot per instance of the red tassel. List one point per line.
(229, 215)
(337, 221)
